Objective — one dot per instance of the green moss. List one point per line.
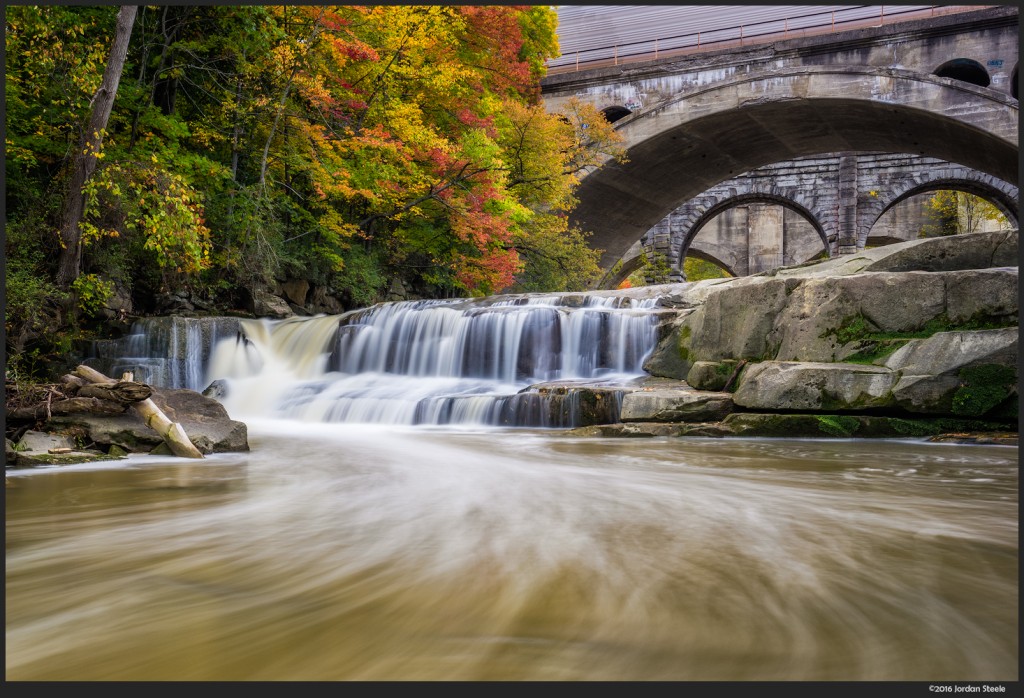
(875, 344)
(952, 424)
(909, 427)
(872, 351)
(851, 329)
(684, 335)
(725, 368)
(983, 387)
(837, 425)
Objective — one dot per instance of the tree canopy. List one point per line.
(348, 146)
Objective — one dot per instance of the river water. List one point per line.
(369, 552)
(387, 524)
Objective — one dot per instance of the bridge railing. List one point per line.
(797, 26)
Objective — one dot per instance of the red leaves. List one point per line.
(490, 262)
(495, 32)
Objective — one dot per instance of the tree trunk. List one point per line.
(171, 432)
(84, 162)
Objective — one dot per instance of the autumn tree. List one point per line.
(954, 212)
(349, 146)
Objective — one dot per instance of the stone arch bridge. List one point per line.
(941, 90)
(814, 188)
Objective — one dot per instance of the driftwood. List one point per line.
(71, 384)
(732, 376)
(125, 392)
(171, 432)
(74, 405)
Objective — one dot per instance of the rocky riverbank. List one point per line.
(64, 439)
(917, 339)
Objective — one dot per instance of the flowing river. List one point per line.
(376, 534)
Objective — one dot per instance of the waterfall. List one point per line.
(430, 362)
(169, 352)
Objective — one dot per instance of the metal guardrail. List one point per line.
(797, 26)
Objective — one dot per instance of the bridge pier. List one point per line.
(847, 204)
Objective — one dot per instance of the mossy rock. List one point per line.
(817, 426)
(983, 387)
(711, 375)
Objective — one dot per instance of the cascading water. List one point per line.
(169, 352)
(432, 362)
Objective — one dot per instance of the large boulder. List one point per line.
(204, 420)
(831, 387)
(265, 304)
(670, 357)
(982, 295)
(735, 322)
(953, 252)
(960, 373)
(831, 318)
(682, 404)
(294, 290)
(815, 323)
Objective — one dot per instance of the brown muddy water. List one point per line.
(356, 552)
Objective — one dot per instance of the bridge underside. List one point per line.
(622, 201)
(821, 194)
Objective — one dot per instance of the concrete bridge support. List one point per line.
(791, 212)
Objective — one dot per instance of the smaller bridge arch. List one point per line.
(966, 70)
(1002, 195)
(695, 218)
(615, 112)
(695, 139)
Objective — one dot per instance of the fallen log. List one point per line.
(125, 392)
(171, 432)
(74, 405)
(71, 384)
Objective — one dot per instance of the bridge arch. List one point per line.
(683, 146)
(615, 112)
(699, 216)
(1003, 196)
(964, 69)
(635, 258)
(709, 256)
(687, 226)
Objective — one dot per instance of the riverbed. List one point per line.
(353, 552)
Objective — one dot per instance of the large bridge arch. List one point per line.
(687, 144)
(1004, 196)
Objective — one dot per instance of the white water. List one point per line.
(433, 362)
